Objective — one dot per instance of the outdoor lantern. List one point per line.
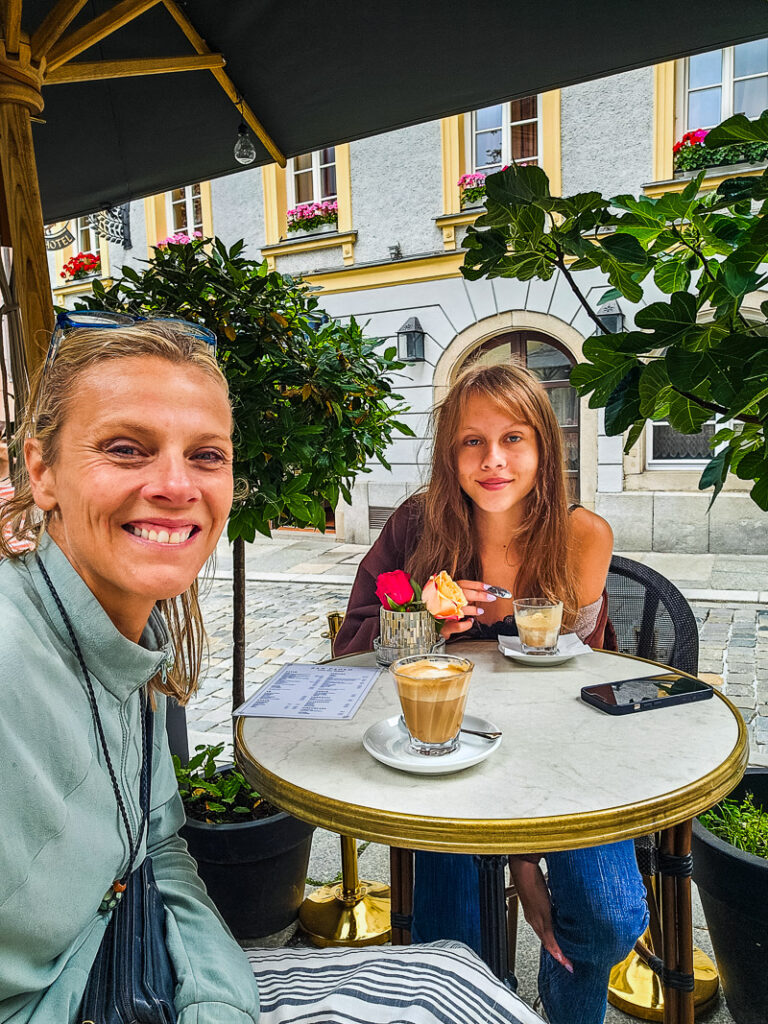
(410, 342)
(245, 151)
(611, 318)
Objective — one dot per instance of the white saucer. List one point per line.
(540, 660)
(387, 741)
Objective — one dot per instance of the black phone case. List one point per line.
(646, 705)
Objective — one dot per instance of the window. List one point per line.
(668, 449)
(505, 132)
(85, 236)
(186, 210)
(724, 82)
(312, 178)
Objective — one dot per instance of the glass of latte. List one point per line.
(538, 624)
(433, 694)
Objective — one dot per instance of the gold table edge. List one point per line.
(513, 835)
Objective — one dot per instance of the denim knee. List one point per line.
(615, 929)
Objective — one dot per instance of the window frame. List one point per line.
(83, 224)
(189, 210)
(317, 167)
(654, 465)
(470, 122)
(727, 86)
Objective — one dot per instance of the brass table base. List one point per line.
(352, 913)
(635, 989)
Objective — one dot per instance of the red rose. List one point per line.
(394, 587)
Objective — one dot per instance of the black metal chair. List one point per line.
(652, 620)
(650, 616)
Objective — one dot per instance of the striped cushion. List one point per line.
(431, 983)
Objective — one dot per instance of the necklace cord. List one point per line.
(133, 848)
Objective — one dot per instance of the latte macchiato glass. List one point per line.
(433, 694)
(538, 624)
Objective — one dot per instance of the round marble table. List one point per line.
(565, 775)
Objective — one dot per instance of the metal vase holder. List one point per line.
(404, 633)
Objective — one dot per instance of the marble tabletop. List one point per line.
(565, 775)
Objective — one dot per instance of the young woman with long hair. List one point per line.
(495, 513)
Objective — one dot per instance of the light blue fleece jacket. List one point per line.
(61, 839)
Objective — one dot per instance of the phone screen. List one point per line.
(649, 688)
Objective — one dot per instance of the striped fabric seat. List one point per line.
(431, 983)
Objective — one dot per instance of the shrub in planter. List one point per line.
(730, 868)
(252, 856)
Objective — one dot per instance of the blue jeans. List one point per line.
(598, 910)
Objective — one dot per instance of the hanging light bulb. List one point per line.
(245, 151)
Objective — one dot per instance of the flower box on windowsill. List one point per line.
(723, 170)
(321, 229)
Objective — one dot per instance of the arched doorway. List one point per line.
(551, 362)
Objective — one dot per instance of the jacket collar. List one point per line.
(120, 665)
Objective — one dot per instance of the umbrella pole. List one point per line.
(22, 217)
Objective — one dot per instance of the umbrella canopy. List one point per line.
(133, 97)
(315, 75)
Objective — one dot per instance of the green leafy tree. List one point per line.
(312, 397)
(691, 357)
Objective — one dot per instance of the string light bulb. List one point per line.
(245, 151)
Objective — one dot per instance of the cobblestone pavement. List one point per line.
(285, 623)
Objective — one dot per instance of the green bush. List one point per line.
(739, 823)
(693, 158)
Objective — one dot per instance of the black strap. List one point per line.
(146, 731)
(677, 867)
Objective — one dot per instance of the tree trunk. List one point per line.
(238, 623)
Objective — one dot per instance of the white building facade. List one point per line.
(394, 253)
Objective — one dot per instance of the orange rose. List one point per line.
(443, 598)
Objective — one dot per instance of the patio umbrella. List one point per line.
(133, 97)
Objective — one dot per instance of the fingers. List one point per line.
(475, 591)
(460, 626)
(549, 942)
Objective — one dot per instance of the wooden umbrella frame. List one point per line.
(27, 64)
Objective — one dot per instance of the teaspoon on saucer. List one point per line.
(485, 735)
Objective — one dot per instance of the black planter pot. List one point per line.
(254, 871)
(734, 894)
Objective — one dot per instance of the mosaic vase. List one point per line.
(404, 633)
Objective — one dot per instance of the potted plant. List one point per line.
(310, 217)
(691, 154)
(251, 855)
(730, 868)
(84, 264)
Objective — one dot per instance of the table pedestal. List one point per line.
(353, 913)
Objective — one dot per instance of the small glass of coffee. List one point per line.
(433, 694)
(538, 624)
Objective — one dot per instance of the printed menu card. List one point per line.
(329, 691)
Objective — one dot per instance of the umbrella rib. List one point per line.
(12, 21)
(54, 25)
(101, 27)
(89, 71)
(226, 83)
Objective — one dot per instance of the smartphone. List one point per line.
(631, 695)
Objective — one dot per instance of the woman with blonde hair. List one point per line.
(495, 514)
(128, 484)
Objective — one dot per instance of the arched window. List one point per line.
(550, 361)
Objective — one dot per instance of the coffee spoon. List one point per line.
(485, 735)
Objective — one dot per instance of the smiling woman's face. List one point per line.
(497, 456)
(142, 483)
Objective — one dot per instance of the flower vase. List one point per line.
(402, 634)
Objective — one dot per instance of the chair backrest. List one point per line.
(651, 617)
